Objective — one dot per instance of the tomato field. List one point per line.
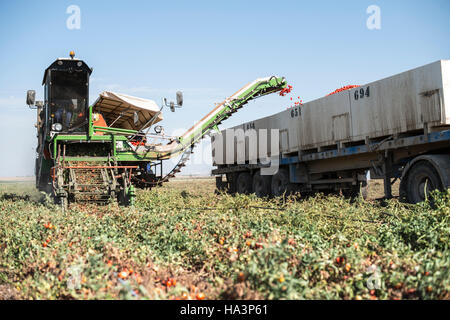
(183, 241)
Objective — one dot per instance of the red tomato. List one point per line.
(200, 296)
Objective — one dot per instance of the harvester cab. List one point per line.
(66, 96)
(103, 151)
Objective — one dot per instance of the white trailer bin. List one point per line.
(330, 143)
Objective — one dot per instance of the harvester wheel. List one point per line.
(262, 185)
(122, 198)
(244, 183)
(127, 196)
(47, 188)
(62, 201)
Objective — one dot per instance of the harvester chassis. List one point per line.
(81, 157)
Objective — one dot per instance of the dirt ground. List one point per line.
(376, 189)
(8, 292)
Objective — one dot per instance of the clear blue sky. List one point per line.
(208, 49)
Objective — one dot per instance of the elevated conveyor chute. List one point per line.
(221, 112)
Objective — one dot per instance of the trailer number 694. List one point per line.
(361, 93)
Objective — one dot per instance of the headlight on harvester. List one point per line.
(57, 127)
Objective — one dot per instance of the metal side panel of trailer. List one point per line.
(358, 157)
(405, 104)
(401, 103)
(242, 135)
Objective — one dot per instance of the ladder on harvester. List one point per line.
(181, 163)
(90, 182)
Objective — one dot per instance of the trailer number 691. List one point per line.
(361, 93)
(295, 112)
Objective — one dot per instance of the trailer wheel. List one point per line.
(280, 183)
(244, 183)
(361, 189)
(220, 185)
(231, 181)
(262, 185)
(422, 179)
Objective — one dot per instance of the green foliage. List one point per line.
(425, 228)
(225, 247)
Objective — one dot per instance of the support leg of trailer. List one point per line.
(387, 173)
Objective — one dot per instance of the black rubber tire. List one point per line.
(123, 199)
(262, 185)
(220, 185)
(422, 173)
(355, 191)
(280, 183)
(47, 188)
(231, 181)
(62, 202)
(244, 183)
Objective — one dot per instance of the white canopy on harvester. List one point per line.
(118, 109)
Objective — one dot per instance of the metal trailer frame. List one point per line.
(391, 157)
